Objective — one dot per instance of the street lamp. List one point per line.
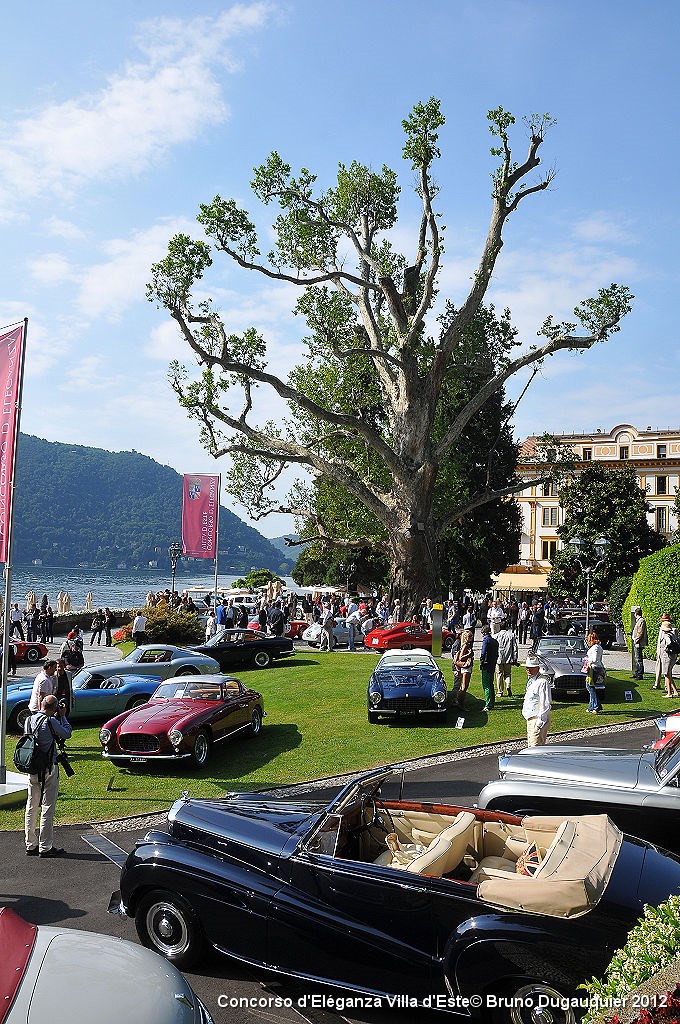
(174, 551)
(601, 545)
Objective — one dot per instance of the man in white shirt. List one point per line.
(495, 617)
(139, 629)
(537, 702)
(45, 685)
(15, 618)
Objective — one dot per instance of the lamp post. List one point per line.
(601, 545)
(174, 551)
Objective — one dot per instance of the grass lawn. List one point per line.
(316, 726)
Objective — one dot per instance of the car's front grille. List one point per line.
(139, 741)
(406, 705)
(575, 682)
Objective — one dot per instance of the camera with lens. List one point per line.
(62, 759)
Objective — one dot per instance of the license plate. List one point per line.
(409, 711)
(374, 640)
(138, 760)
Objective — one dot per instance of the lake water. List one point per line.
(114, 588)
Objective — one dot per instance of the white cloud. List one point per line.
(601, 227)
(58, 228)
(141, 111)
(108, 288)
(51, 268)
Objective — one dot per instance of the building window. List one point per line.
(623, 451)
(662, 485)
(587, 454)
(661, 520)
(550, 549)
(549, 490)
(550, 516)
(661, 452)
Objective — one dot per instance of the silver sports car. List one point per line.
(639, 790)
(562, 658)
(162, 660)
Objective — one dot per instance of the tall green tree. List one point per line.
(602, 502)
(371, 316)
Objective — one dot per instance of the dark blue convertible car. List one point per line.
(407, 684)
(455, 908)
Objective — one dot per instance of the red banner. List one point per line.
(200, 509)
(11, 353)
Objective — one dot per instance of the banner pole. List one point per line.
(217, 534)
(8, 563)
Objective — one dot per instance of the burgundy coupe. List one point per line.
(183, 720)
(29, 650)
(405, 635)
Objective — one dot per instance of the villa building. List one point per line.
(655, 456)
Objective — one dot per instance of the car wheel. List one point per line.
(187, 671)
(201, 752)
(19, 717)
(313, 643)
(522, 1001)
(255, 723)
(137, 702)
(166, 924)
(448, 643)
(32, 654)
(373, 717)
(262, 659)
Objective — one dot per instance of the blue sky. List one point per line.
(118, 119)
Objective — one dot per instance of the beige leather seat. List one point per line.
(447, 850)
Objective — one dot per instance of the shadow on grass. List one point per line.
(233, 758)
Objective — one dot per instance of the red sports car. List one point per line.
(29, 650)
(294, 628)
(405, 635)
(668, 727)
(183, 720)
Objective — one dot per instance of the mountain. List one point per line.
(85, 505)
(280, 544)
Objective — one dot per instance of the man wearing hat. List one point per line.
(537, 702)
(640, 641)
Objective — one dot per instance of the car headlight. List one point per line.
(104, 736)
(175, 737)
(375, 697)
(439, 696)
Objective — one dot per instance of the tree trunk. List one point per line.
(414, 570)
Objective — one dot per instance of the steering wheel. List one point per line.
(380, 820)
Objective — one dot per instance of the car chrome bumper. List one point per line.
(416, 711)
(144, 756)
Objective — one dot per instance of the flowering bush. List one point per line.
(123, 634)
(652, 944)
(663, 1007)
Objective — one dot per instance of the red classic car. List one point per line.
(183, 719)
(405, 635)
(29, 650)
(668, 727)
(294, 628)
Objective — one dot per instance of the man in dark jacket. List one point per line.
(487, 663)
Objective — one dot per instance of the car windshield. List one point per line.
(81, 679)
(666, 759)
(406, 660)
(185, 690)
(227, 636)
(561, 645)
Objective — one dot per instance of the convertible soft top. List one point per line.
(577, 863)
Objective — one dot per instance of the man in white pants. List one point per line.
(537, 702)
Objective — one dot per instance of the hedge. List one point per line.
(656, 589)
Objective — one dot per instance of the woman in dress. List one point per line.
(667, 659)
(463, 662)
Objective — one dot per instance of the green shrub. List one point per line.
(652, 945)
(168, 627)
(656, 589)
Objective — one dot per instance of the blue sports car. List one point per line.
(93, 696)
(407, 683)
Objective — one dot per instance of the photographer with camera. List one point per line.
(50, 728)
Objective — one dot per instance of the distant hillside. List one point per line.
(84, 505)
(280, 543)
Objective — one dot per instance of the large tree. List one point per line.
(602, 502)
(382, 344)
